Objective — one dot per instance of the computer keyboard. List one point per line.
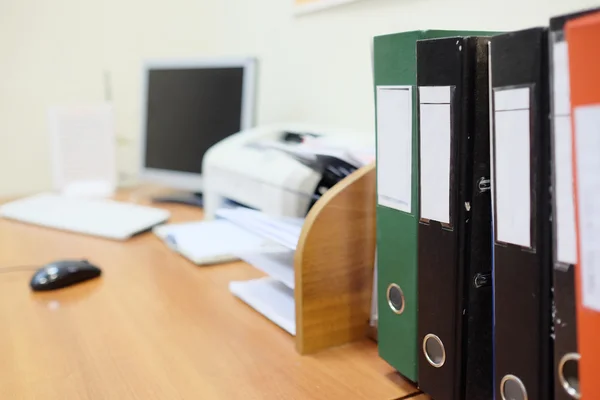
(105, 218)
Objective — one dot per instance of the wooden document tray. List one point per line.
(334, 263)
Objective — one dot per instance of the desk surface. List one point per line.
(157, 327)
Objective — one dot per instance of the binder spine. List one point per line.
(440, 64)
(455, 273)
(522, 270)
(394, 66)
(478, 286)
(492, 191)
(583, 35)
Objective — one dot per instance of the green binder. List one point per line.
(395, 78)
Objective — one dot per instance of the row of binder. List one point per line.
(488, 207)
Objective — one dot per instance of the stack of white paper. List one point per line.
(265, 242)
(239, 233)
(282, 230)
(269, 297)
(210, 242)
(272, 296)
(277, 263)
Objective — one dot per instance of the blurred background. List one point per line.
(314, 67)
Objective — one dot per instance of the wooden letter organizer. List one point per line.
(333, 265)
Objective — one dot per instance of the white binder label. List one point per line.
(434, 152)
(512, 166)
(566, 250)
(394, 147)
(587, 147)
(560, 79)
(566, 247)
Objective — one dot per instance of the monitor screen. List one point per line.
(187, 111)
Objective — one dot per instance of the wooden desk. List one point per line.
(157, 327)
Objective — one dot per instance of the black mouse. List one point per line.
(64, 273)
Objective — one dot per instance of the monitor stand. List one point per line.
(190, 199)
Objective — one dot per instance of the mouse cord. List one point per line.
(19, 268)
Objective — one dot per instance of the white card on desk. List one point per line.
(83, 149)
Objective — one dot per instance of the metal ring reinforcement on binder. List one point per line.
(568, 374)
(434, 350)
(395, 298)
(512, 388)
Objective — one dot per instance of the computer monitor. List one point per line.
(188, 106)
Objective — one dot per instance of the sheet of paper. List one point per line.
(206, 242)
(278, 265)
(512, 166)
(394, 147)
(587, 162)
(560, 79)
(269, 297)
(284, 231)
(566, 246)
(434, 152)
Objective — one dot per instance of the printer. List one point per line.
(240, 169)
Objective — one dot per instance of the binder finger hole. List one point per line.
(568, 374)
(395, 298)
(512, 388)
(434, 350)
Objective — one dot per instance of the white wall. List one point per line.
(57, 52)
(313, 68)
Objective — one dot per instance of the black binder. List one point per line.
(455, 293)
(566, 355)
(521, 204)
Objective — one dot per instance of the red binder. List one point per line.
(583, 36)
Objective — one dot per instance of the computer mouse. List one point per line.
(60, 274)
